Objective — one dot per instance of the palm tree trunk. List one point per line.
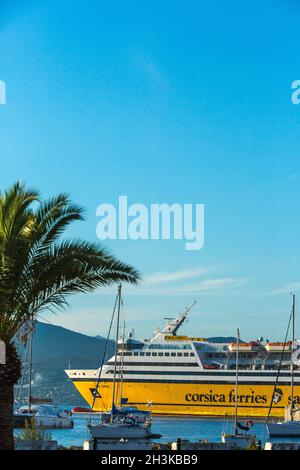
(9, 375)
(6, 417)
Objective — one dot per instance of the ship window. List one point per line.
(186, 354)
(161, 364)
(130, 344)
(167, 354)
(170, 346)
(142, 354)
(179, 354)
(154, 354)
(192, 354)
(173, 354)
(148, 354)
(160, 354)
(135, 353)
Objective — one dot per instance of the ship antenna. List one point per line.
(173, 326)
(184, 316)
(188, 309)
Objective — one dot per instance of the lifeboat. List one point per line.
(279, 347)
(252, 346)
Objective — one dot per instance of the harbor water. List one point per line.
(171, 428)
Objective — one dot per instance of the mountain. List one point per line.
(52, 341)
(54, 349)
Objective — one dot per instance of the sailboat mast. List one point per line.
(116, 349)
(292, 364)
(30, 368)
(122, 364)
(236, 381)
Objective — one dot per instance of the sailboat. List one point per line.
(38, 411)
(122, 423)
(236, 437)
(288, 428)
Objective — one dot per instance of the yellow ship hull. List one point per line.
(190, 399)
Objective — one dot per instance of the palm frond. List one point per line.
(40, 271)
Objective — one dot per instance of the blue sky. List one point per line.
(172, 101)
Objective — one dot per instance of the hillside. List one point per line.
(52, 341)
(54, 349)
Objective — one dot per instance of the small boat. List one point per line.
(37, 410)
(290, 427)
(126, 429)
(284, 429)
(43, 416)
(139, 416)
(239, 439)
(252, 346)
(279, 347)
(123, 423)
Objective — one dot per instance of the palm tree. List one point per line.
(39, 271)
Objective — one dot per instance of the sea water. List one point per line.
(171, 428)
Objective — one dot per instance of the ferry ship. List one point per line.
(181, 375)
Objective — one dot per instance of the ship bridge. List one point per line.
(130, 344)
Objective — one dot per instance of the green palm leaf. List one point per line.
(40, 271)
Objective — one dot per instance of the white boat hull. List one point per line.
(117, 431)
(284, 429)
